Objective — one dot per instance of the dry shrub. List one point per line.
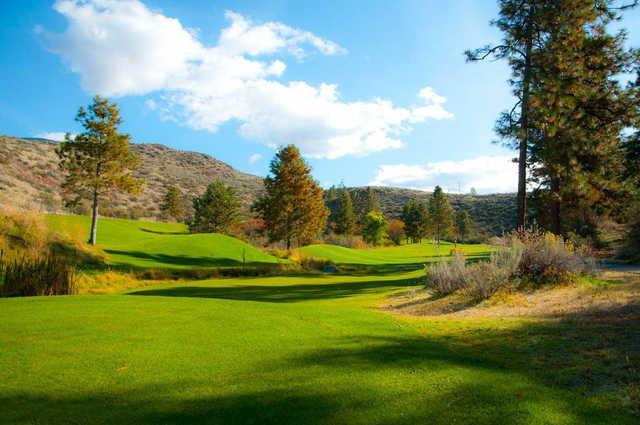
(525, 258)
(347, 241)
(37, 261)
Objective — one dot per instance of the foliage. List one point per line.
(36, 276)
(463, 226)
(345, 220)
(416, 218)
(98, 160)
(374, 228)
(173, 204)
(217, 210)
(440, 214)
(292, 206)
(396, 231)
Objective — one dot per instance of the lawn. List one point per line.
(148, 244)
(306, 349)
(292, 350)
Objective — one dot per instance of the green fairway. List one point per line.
(410, 255)
(147, 244)
(266, 350)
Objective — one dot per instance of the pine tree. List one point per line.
(416, 218)
(216, 211)
(345, 219)
(522, 24)
(464, 225)
(98, 160)
(580, 110)
(441, 214)
(371, 201)
(172, 206)
(292, 207)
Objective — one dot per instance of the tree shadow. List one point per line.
(185, 260)
(281, 293)
(162, 232)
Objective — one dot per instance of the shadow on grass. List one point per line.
(161, 232)
(281, 293)
(348, 386)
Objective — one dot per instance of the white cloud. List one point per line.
(57, 136)
(255, 158)
(123, 48)
(487, 174)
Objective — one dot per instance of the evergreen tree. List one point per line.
(345, 219)
(521, 23)
(172, 206)
(292, 207)
(441, 214)
(580, 110)
(216, 211)
(416, 218)
(98, 160)
(464, 225)
(371, 201)
(375, 228)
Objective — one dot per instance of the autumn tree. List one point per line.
(97, 161)
(374, 228)
(172, 206)
(216, 211)
(441, 214)
(292, 206)
(396, 231)
(345, 219)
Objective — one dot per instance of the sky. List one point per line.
(372, 92)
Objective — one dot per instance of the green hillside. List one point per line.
(146, 244)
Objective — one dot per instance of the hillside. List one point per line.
(29, 177)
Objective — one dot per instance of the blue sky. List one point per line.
(374, 92)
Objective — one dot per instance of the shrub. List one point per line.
(525, 258)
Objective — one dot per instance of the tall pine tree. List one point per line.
(441, 214)
(97, 161)
(292, 206)
(345, 218)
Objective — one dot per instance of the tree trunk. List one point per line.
(94, 218)
(556, 224)
(524, 138)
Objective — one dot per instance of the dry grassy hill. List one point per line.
(29, 176)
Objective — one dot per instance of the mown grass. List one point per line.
(310, 350)
(146, 244)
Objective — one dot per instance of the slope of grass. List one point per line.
(309, 350)
(146, 244)
(410, 254)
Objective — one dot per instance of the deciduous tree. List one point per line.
(375, 228)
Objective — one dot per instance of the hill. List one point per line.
(145, 244)
(29, 176)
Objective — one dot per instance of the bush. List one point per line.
(525, 258)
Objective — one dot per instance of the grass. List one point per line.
(146, 244)
(296, 349)
(310, 350)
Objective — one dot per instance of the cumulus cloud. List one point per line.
(255, 158)
(57, 136)
(124, 48)
(486, 174)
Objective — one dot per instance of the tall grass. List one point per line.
(28, 276)
(34, 260)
